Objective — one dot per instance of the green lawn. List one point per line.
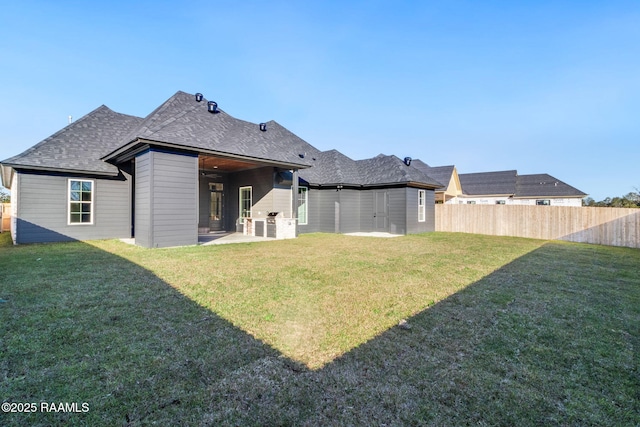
(501, 331)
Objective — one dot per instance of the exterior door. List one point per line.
(381, 211)
(216, 208)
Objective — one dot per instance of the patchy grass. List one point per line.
(503, 331)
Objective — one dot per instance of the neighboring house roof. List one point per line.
(519, 186)
(488, 183)
(544, 185)
(441, 174)
(184, 122)
(79, 146)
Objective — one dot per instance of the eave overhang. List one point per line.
(16, 166)
(130, 150)
(341, 185)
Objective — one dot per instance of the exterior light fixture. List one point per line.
(212, 107)
(198, 97)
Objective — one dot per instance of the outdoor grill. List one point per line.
(271, 224)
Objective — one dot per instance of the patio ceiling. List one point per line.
(224, 165)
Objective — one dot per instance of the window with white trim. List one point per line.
(80, 201)
(303, 205)
(246, 203)
(543, 202)
(422, 205)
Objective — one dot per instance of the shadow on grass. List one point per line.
(537, 342)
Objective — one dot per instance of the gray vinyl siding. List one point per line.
(349, 206)
(367, 223)
(166, 199)
(143, 200)
(43, 209)
(397, 210)
(348, 211)
(413, 225)
(332, 211)
(328, 207)
(313, 213)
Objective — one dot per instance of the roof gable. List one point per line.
(442, 174)
(80, 145)
(183, 121)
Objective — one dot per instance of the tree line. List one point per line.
(630, 200)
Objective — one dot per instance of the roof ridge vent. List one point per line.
(212, 107)
(407, 161)
(199, 97)
(263, 127)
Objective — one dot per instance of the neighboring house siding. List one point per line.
(42, 209)
(576, 201)
(492, 200)
(168, 195)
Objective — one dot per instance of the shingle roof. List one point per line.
(104, 135)
(510, 183)
(333, 167)
(80, 145)
(391, 170)
(488, 183)
(441, 174)
(183, 121)
(544, 185)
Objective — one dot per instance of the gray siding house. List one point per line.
(190, 168)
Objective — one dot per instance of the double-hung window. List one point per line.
(422, 205)
(80, 201)
(245, 203)
(303, 205)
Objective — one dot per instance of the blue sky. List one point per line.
(538, 86)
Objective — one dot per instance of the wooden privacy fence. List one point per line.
(5, 217)
(604, 226)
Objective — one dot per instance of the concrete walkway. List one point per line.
(226, 238)
(373, 234)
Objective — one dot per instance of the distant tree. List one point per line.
(629, 200)
(5, 197)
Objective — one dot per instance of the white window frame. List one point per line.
(90, 203)
(242, 217)
(543, 202)
(305, 191)
(422, 205)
